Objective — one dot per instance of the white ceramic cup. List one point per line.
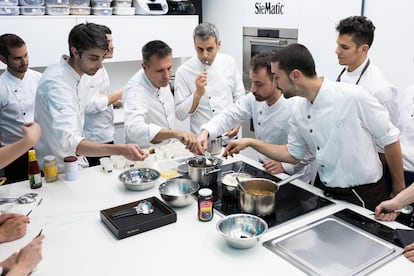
(71, 168)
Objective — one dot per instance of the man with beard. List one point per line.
(339, 124)
(59, 109)
(148, 101)
(18, 86)
(268, 109)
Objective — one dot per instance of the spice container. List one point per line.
(50, 168)
(35, 176)
(71, 168)
(205, 204)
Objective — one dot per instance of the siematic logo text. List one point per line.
(269, 8)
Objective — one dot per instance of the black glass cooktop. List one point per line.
(407, 220)
(291, 200)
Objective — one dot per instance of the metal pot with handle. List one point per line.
(257, 195)
(204, 171)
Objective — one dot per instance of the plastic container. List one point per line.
(101, 4)
(57, 10)
(55, 3)
(79, 3)
(122, 3)
(32, 10)
(102, 11)
(123, 11)
(205, 204)
(50, 168)
(9, 2)
(31, 2)
(80, 10)
(9, 10)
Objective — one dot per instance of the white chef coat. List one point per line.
(99, 116)
(374, 81)
(271, 123)
(340, 129)
(224, 87)
(17, 99)
(59, 112)
(406, 126)
(147, 110)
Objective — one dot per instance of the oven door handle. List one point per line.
(280, 42)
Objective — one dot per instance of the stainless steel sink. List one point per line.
(332, 246)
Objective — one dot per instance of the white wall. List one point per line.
(393, 49)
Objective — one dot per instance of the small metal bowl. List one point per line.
(178, 192)
(139, 179)
(241, 230)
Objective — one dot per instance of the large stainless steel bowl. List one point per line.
(139, 179)
(241, 230)
(178, 192)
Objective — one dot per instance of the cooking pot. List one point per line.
(257, 195)
(203, 172)
(229, 183)
(214, 145)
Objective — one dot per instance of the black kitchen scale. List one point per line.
(291, 200)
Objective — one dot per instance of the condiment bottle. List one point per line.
(50, 168)
(205, 204)
(35, 176)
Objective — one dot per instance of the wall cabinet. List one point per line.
(46, 36)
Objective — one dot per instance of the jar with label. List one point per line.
(205, 204)
(35, 176)
(50, 168)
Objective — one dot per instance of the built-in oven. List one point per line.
(256, 40)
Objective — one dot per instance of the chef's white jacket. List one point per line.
(340, 129)
(59, 112)
(99, 116)
(406, 126)
(17, 98)
(224, 87)
(147, 110)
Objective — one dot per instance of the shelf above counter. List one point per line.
(46, 36)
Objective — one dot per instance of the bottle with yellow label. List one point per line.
(35, 176)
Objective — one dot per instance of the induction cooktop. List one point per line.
(291, 200)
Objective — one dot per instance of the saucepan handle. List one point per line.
(291, 178)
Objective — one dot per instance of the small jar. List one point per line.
(50, 168)
(205, 204)
(71, 168)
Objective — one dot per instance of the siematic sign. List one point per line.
(269, 8)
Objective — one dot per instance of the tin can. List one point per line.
(50, 168)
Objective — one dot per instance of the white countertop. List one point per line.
(78, 243)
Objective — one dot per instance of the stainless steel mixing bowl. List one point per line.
(178, 192)
(139, 179)
(241, 230)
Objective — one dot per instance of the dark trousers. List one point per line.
(94, 161)
(17, 170)
(371, 194)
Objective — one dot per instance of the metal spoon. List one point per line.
(207, 156)
(23, 199)
(205, 65)
(239, 183)
(144, 207)
(406, 210)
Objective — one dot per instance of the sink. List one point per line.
(333, 246)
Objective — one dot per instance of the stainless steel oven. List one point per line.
(256, 40)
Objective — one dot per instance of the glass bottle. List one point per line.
(50, 168)
(205, 204)
(35, 177)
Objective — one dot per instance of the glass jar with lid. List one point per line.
(50, 168)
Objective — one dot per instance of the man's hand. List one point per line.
(235, 146)
(13, 228)
(273, 167)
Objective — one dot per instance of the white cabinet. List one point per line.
(46, 36)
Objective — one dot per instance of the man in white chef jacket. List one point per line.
(148, 101)
(267, 107)
(339, 124)
(99, 111)
(355, 38)
(59, 109)
(18, 86)
(208, 83)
